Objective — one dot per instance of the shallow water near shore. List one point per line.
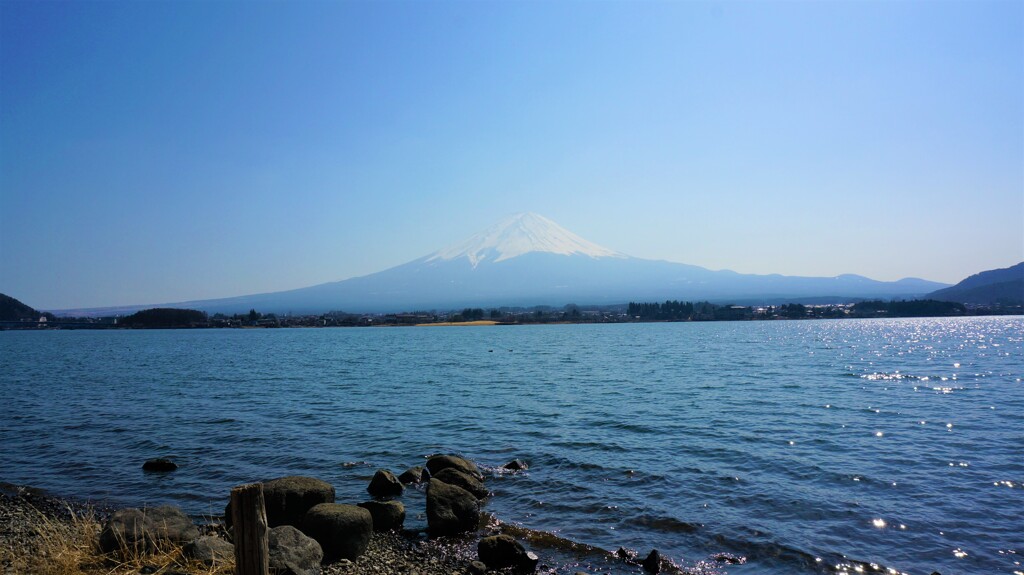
(798, 446)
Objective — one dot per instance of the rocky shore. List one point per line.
(310, 533)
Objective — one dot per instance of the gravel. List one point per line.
(23, 510)
(392, 552)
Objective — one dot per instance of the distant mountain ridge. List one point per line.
(993, 287)
(527, 260)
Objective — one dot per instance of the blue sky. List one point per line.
(165, 151)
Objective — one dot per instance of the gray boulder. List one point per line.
(293, 553)
(287, 499)
(384, 484)
(415, 474)
(450, 509)
(212, 551)
(453, 476)
(500, 551)
(386, 515)
(343, 531)
(439, 462)
(147, 530)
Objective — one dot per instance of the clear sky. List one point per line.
(164, 151)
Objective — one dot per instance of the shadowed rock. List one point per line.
(453, 476)
(623, 553)
(450, 509)
(384, 484)
(516, 465)
(415, 474)
(293, 553)
(652, 564)
(386, 515)
(160, 464)
(343, 531)
(439, 462)
(501, 551)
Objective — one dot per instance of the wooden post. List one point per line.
(249, 518)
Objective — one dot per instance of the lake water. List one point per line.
(798, 446)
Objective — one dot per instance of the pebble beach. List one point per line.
(29, 518)
(45, 534)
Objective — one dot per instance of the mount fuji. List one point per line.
(527, 260)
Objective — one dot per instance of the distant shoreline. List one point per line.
(57, 326)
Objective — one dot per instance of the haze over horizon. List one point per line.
(183, 151)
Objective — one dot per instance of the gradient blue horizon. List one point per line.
(171, 151)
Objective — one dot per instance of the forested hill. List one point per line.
(13, 310)
(165, 317)
(1003, 286)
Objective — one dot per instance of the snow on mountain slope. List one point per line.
(518, 235)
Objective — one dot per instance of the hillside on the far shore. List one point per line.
(13, 310)
(1003, 286)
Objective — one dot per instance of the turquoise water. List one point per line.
(799, 446)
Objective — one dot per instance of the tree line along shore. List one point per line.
(633, 312)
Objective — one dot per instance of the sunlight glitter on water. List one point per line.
(318, 398)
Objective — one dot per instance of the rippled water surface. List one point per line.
(796, 445)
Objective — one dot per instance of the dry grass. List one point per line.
(71, 547)
(449, 323)
(52, 546)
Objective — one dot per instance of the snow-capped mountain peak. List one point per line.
(521, 234)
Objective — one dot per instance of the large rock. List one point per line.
(384, 484)
(500, 551)
(293, 553)
(453, 476)
(386, 515)
(450, 509)
(343, 531)
(287, 499)
(212, 551)
(414, 474)
(439, 462)
(147, 530)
